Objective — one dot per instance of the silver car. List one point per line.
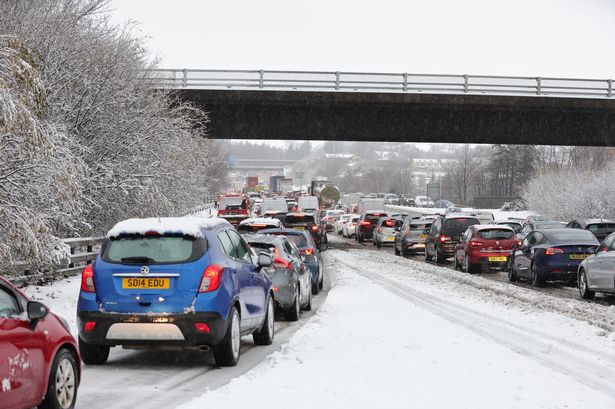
(597, 272)
(386, 230)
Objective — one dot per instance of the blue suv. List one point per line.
(184, 282)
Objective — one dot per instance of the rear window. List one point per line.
(496, 234)
(456, 227)
(293, 219)
(299, 241)
(604, 228)
(251, 228)
(546, 226)
(231, 203)
(165, 249)
(372, 218)
(266, 247)
(573, 235)
(421, 227)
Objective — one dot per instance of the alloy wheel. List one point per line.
(235, 335)
(65, 383)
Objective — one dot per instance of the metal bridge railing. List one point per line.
(382, 82)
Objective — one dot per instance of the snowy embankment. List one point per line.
(392, 335)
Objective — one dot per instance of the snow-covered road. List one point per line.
(396, 333)
(392, 332)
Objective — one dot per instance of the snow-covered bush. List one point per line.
(567, 194)
(87, 141)
(40, 177)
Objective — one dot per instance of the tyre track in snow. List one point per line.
(588, 366)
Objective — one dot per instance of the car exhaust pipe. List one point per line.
(203, 348)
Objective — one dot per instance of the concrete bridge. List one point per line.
(399, 107)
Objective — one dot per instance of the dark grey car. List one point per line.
(291, 278)
(412, 236)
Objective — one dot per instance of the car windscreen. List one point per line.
(154, 249)
(496, 234)
(601, 228)
(292, 219)
(456, 227)
(572, 235)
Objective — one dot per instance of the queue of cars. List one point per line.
(534, 249)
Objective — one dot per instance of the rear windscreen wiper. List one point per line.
(138, 260)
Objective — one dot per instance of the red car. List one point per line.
(39, 362)
(484, 246)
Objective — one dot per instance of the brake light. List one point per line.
(518, 243)
(212, 276)
(279, 262)
(202, 327)
(365, 223)
(352, 224)
(87, 279)
(389, 223)
(444, 238)
(314, 228)
(551, 251)
(152, 233)
(380, 229)
(476, 243)
(308, 251)
(89, 326)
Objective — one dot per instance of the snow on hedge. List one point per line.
(569, 194)
(188, 226)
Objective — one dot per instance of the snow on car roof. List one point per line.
(263, 220)
(189, 226)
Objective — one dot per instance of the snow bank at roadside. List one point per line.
(368, 348)
(61, 297)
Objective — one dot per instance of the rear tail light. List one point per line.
(352, 224)
(87, 279)
(202, 327)
(308, 251)
(551, 251)
(279, 262)
(89, 326)
(444, 238)
(389, 224)
(518, 243)
(380, 229)
(314, 228)
(212, 276)
(476, 243)
(365, 223)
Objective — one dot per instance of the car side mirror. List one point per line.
(264, 260)
(323, 246)
(36, 310)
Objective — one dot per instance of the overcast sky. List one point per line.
(516, 37)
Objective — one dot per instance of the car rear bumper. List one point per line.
(385, 239)
(151, 329)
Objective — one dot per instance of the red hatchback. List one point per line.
(484, 246)
(39, 362)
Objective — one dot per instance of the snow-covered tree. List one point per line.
(570, 193)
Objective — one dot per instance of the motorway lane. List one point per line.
(561, 290)
(165, 379)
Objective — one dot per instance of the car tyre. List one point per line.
(377, 244)
(427, 256)
(512, 276)
(226, 353)
(93, 354)
(397, 252)
(264, 336)
(456, 263)
(584, 290)
(537, 280)
(467, 266)
(63, 381)
(292, 313)
(436, 259)
(308, 306)
(359, 238)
